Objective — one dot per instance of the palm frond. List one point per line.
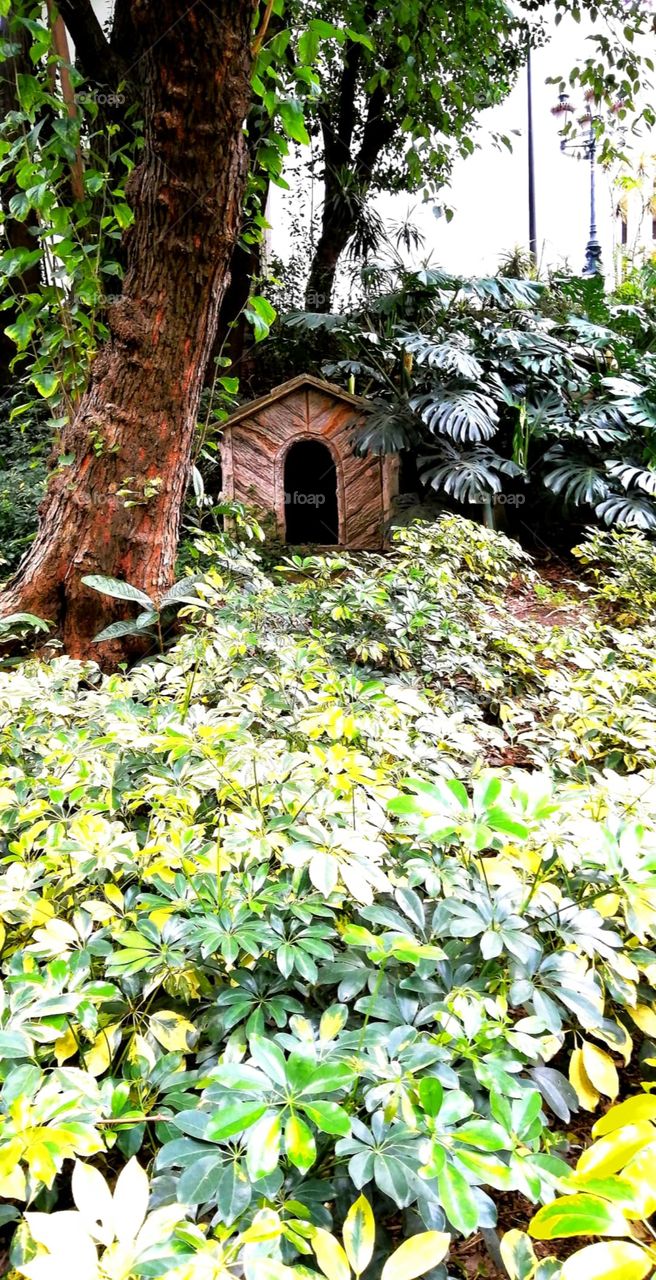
(602, 423)
(388, 428)
(634, 401)
(503, 290)
(315, 320)
(347, 368)
(593, 336)
(577, 481)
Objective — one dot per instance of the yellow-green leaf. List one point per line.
(613, 1152)
(608, 904)
(417, 1255)
(581, 1083)
(174, 1033)
(645, 1018)
(610, 1260)
(518, 1254)
(330, 1255)
(99, 1056)
(578, 1215)
(641, 1174)
(263, 1150)
(266, 1225)
(641, 1107)
(299, 1143)
(65, 1046)
(13, 1184)
(332, 1021)
(600, 1070)
(359, 1233)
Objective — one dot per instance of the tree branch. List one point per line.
(60, 40)
(347, 112)
(378, 131)
(92, 48)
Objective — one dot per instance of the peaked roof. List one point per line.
(287, 388)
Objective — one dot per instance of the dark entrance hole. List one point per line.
(311, 494)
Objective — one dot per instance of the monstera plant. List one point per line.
(500, 384)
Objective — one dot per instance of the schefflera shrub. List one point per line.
(273, 928)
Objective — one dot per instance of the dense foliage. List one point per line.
(23, 451)
(343, 904)
(506, 387)
(611, 1193)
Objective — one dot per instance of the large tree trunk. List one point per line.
(346, 170)
(335, 235)
(115, 507)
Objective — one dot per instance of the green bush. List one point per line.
(623, 569)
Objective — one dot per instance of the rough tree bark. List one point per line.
(131, 440)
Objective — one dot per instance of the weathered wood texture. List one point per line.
(258, 437)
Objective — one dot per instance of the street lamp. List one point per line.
(582, 144)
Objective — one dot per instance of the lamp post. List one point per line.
(582, 144)
(532, 221)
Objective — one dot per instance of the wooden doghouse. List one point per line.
(291, 453)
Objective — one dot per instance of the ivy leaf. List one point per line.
(260, 314)
(46, 383)
(293, 122)
(21, 330)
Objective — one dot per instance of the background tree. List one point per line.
(395, 112)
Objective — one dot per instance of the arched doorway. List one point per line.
(310, 480)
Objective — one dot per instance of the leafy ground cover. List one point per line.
(340, 910)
